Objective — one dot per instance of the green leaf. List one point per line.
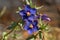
(19, 8)
(5, 37)
(31, 3)
(43, 26)
(27, 2)
(40, 34)
(12, 26)
(17, 28)
(21, 22)
(39, 7)
(14, 35)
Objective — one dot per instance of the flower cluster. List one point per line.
(30, 17)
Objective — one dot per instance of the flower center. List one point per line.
(28, 14)
(31, 26)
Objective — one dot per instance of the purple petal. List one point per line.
(35, 29)
(22, 13)
(33, 11)
(30, 31)
(27, 8)
(31, 18)
(35, 22)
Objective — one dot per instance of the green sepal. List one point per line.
(43, 26)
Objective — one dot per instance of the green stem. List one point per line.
(8, 33)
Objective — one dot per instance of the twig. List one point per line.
(3, 11)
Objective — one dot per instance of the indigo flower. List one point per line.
(27, 24)
(24, 16)
(31, 10)
(27, 8)
(32, 30)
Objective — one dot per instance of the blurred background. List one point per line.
(8, 13)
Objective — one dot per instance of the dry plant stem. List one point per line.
(37, 37)
(3, 11)
(44, 36)
(9, 32)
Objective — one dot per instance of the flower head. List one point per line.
(27, 9)
(31, 31)
(28, 23)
